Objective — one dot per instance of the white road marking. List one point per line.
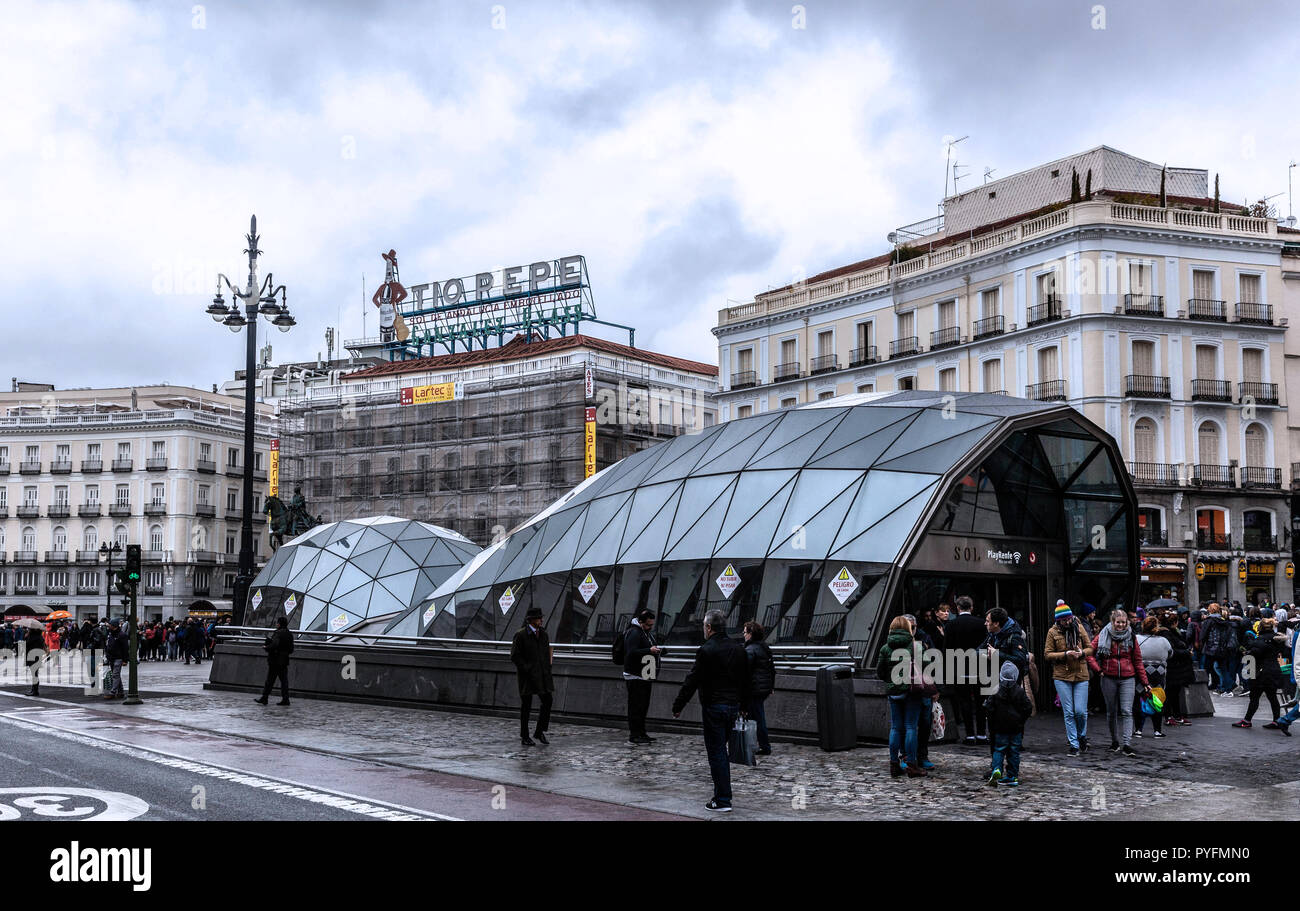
(341, 800)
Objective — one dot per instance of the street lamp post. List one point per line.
(104, 549)
(257, 299)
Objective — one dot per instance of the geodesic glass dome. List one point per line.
(339, 575)
(821, 523)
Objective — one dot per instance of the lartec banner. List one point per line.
(423, 395)
(589, 448)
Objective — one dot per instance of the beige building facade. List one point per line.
(1165, 325)
(158, 466)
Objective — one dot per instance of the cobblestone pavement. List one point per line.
(1206, 771)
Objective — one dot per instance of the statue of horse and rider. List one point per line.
(288, 520)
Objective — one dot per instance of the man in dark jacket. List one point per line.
(721, 674)
(640, 669)
(279, 646)
(530, 651)
(35, 657)
(762, 680)
(964, 634)
(116, 648)
(1007, 639)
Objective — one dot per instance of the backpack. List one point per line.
(618, 654)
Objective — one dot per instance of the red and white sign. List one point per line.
(843, 585)
(591, 383)
(729, 581)
(1033, 558)
(587, 587)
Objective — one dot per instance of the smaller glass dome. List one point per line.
(337, 576)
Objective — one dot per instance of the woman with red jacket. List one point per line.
(1118, 660)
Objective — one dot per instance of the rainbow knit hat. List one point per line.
(1063, 610)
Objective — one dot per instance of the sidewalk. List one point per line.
(1206, 771)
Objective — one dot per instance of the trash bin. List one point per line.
(837, 720)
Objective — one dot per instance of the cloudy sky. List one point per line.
(694, 152)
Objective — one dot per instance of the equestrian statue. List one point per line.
(288, 520)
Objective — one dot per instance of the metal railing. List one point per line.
(1259, 393)
(1144, 304)
(989, 326)
(1255, 314)
(790, 371)
(205, 509)
(61, 466)
(824, 364)
(92, 465)
(1050, 391)
(58, 511)
(206, 466)
(119, 509)
(1211, 391)
(1252, 541)
(904, 347)
(122, 464)
(89, 509)
(156, 464)
(1214, 539)
(1153, 474)
(1153, 538)
(1143, 386)
(56, 556)
(945, 338)
(1212, 475)
(26, 467)
(28, 511)
(859, 357)
(1047, 311)
(155, 508)
(1204, 308)
(1269, 478)
(743, 379)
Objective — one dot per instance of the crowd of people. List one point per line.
(1134, 668)
(187, 639)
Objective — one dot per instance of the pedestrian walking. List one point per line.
(531, 654)
(279, 646)
(116, 647)
(1237, 620)
(721, 675)
(898, 664)
(963, 635)
(1006, 640)
(1220, 644)
(1266, 651)
(1180, 673)
(641, 653)
(35, 657)
(925, 720)
(1008, 709)
(1155, 650)
(1284, 723)
(762, 680)
(1067, 649)
(1118, 662)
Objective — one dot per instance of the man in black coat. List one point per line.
(640, 668)
(721, 674)
(279, 646)
(964, 634)
(530, 651)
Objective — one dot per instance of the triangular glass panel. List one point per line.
(805, 530)
(650, 544)
(883, 542)
(646, 505)
(753, 537)
(738, 442)
(932, 427)
(606, 536)
(881, 494)
(939, 457)
(699, 497)
(861, 423)
(796, 438)
(754, 490)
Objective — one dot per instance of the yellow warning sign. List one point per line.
(728, 582)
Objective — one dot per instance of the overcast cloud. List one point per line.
(693, 152)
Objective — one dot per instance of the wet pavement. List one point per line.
(1206, 771)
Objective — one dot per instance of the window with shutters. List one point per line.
(1203, 284)
(867, 387)
(1207, 441)
(825, 343)
(1207, 362)
(864, 335)
(907, 324)
(744, 411)
(1249, 289)
(1144, 358)
(156, 538)
(1256, 454)
(789, 403)
(906, 382)
(948, 380)
(1252, 365)
(1139, 278)
(1144, 441)
(789, 350)
(992, 371)
(744, 360)
(990, 303)
(828, 394)
(1048, 368)
(90, 538)
(1046, 287)
(947, 314)
(60, 539)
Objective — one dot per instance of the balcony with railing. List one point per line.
(1050, 391)
(89, 466)
(25, 588)
(1212, 475)
(29, 467)
(56, 556)
(87, 556)
(1141, 386)
(155, 556)
(904, 347)
(5, 468)
(1257, 393)
(203, 556)
(744, 379)
(663, 430)
(235, 515)
(1153, 474)
(205, 509)
(1254, 539)
(1213, 540)
(989, 327)
(1204, 308)
(26, 556)
(237, 471)
(783, 372)
(89, 509)
(156, 464)
(58, 510)
(259, 474)
(155, 508)
(87, 589)
(205, 466)
(1262, 478)
(1255, 314)
(945, 338)
(1144, 304)
(860, 357)
(122, 464)
(153, 588)
(56, 588)
(61, 466)
(1047, 311)
(823, 364)
(28, 511)
(119, 509)
(1211, 391)
(1153, 538)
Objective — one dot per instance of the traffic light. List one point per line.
(133, 563)
(121, 582)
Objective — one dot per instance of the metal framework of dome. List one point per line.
(339, 575)
(809, 521)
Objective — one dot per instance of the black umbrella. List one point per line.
(1162, 602)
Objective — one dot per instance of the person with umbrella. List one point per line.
(35, 645)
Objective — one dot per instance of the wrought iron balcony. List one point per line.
(155, 508)
(1144, 304)
(1213, 540)
(744, 379)
(25, 556)
(205, 509)
(205, 466)
(1267, 478)
(1153, 538)
(1203, 308)
(119, 509)
(5, 468)
(87, 556)
(1212, 475)
(1255, 314)
(154, 556)
(259, 517)
(56, 556)
(859, 357)
(59, 511)
(237, 471)
(1211, 391)
(1153, 474)
(234, 515)
(1140, 386)
(1253, 540)
(791, 371)
(824, 364)
(156, 464)
(56, 588)
(61, 466)
(1259, 393)
(945, 338)
(22, 589)
(1050, 391)
(1048, 310)
(89, 509)
(91, 465)
(122, 464)
(87, 589)
(28, 511)
(259, 474)
(26, 467)
(203, 590)
(904, 347)
(203, 556)
(989, 326)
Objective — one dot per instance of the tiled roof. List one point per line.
(519, 348)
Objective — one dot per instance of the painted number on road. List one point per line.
(69, 803)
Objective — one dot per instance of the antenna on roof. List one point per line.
(956, 177)
(948, 163)
(988, 172)
(1290, 202)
